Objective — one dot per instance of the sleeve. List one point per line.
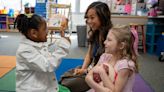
(122, 64)
(62, 47)
(104, 58)
(43, 60)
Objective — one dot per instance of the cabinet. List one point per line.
(154, 30)
(3, 22)
(10, 24)
(6, 23)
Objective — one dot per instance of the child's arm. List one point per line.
(61, 50)
(41, 59)
(91, 82)
(120, 82)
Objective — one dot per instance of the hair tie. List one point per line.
(135, 44)
(29, 15)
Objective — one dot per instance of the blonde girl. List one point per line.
(120, 56)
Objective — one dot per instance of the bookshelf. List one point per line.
(7, 23)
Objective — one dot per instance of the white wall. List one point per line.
(78, 19)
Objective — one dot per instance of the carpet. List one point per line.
(141, 85)
(7, 63)
(8, 82)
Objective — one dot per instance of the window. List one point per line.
(84, 4)
(72, 2)
(76, 3)
(8, 4)
(16, 4)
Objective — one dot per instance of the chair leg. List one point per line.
(143, 40)
(62, 33)
(51, 33)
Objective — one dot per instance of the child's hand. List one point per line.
(96, 76)
(79, 71)
(67, 38)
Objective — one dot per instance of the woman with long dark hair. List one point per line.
(98, 18)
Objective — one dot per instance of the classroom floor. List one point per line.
(149, 67)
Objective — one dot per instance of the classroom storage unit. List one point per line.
(10, 23)
(3, 22)
(160, 45)
(154, 30)
(6, 22)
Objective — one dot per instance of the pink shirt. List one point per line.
(121, 64)
(128, 64)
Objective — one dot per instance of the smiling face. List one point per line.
(92, 19)
(111, 43)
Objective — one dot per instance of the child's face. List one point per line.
(93, 20)
(42, 32)
(111, 43)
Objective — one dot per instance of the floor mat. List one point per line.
(141, 85)
(8, 82)
(7, 63)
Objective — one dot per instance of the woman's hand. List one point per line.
(80, 71)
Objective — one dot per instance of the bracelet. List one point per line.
(86, 71)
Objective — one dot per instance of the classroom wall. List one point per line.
(78, 19)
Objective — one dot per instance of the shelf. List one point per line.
(59, 6)
(151, 44)
(5, 22)
(151, 34)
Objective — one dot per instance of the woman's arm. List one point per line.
(86, 62)
(87, 59)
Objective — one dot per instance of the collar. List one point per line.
(36, 44)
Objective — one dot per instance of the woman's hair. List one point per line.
(104, 15)
(23, 23)
(123, 34)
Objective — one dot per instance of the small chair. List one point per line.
(59, 18)
(141, 32)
